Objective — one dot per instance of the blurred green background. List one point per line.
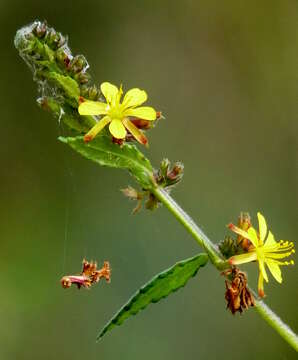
(225, 76)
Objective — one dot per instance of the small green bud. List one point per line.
(78, 64)
(228, 247)
(85, 91)
(82, 78)
(167, 176)
(64, 57)
(51, 38)
(164, 167)
(57, 72)
(90, 92)
(40, 29)
(93, 93)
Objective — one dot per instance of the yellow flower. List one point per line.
(117, 113)
(265, 250)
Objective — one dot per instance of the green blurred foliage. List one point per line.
(225, 76)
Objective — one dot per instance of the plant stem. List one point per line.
(191, 227)
(274, 321)
(267, 314)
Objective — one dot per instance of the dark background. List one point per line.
(225, 76)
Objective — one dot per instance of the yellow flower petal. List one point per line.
(136, 133)
(117, 129)
(270, 242)
(262, 227)
(109, 91)
(262, 269)
(243, 233)
(89, 107)
(144, 112)
(253, 237)
(274, 269)
(96, 129)
(134, 97)
(243, 258)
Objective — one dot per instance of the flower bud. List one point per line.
(164, 166)
(40, 29)
(78, 63)
(228, 247)
(51, 38)
(63, 56)
(93, 93)
(82, 77)
(176, 173)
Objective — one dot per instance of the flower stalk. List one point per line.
(277, 324)
(201, 238)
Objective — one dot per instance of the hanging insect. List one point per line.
(89, 275)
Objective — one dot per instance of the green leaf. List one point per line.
(69, 85)
(157, 288)
(104, 152)
(67, 114)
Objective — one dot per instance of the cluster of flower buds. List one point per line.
(167, 176)
(230, 246)
(61, 77)
(45, 49)
(237, 294)
(90, 275)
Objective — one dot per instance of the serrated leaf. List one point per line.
(156, 289)
(104, 152)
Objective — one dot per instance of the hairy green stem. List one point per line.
(267, 314)
(191, 227)
(274, 321)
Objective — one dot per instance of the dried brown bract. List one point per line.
(134, 194)
(237, 294)
(244, 223)
(90, 270)
(89, 275)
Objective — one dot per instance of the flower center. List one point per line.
(260, 253)
(116, 112)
